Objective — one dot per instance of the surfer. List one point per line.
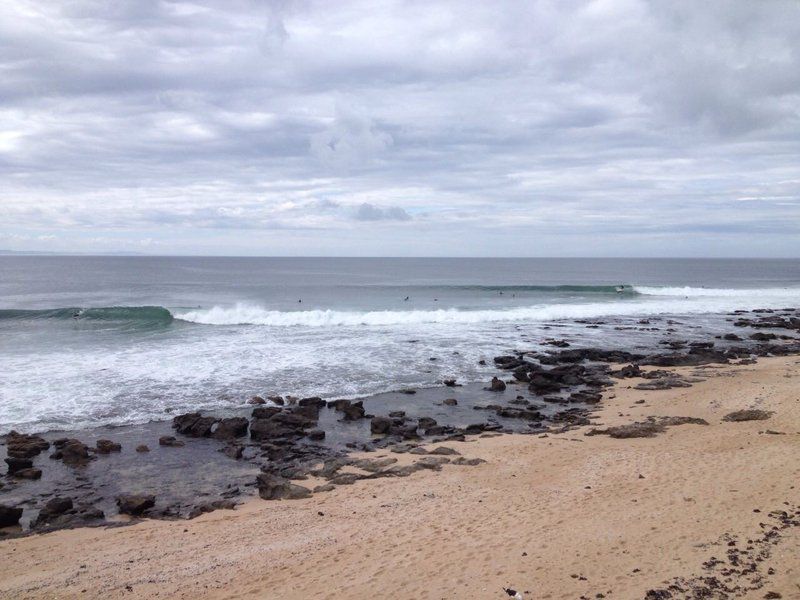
(406, 299)
(620, 288)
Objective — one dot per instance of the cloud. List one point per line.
(370, 212)
(569, 126)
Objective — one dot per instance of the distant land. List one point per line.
(46, 253)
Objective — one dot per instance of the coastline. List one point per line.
(561, 516)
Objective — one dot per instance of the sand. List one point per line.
(562, 516)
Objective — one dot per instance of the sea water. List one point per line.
(88, 341)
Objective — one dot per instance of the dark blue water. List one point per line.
(91, 340)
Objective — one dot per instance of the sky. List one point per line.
(388, 128)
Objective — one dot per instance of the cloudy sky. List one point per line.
(542, 128)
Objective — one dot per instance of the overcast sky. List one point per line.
(544, 128)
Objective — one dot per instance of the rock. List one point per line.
(665, 383)
(53, 508)
(747, 415)
(352, 410)
(28, 474)
(444, 451)
(450, 382)
(763, 337)
(21, 445)
(380, 425)
(107, 447)
(208, 507)
(230, 428)
(143, 448)
(426, 422)
(397, 414)
(731, 337)
(271, 487)
(316, 434)
(469, 462)
(276, 400)
(497, 385)
(313, 401)
(194, 424)
(327, 487)
(626, 372)
(407, 391)
(73, 452)
(233, 451)
(170, 441)
(256, 400)
(450, 402)
(132, 504)
(265, 412)
(9, 515)
(18, 464)
(345, 478)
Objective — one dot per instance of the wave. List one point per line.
(582, 289)
(701, 292)
(126, 314)
(254, 315)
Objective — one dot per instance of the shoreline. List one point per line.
(557, 516)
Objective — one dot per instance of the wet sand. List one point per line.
(558, 516)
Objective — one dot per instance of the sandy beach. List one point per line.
(556, 516)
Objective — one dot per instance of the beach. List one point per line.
(549, 516)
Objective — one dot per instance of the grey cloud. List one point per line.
(605, 118)
(370, 212)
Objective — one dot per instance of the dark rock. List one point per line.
(313, 401)
(470, 462)
(28, 474)
(626, 372)
(444, 451)
(276, 400)
(170, 441)
(18, 464)
(107, 447)
(142, 448)
(194, 424)
(747, 415)
(731, 337)
(763, 337)
(265, 412)
(74, 452)
(380, 425)
(497, 385)
(450, 402)
(9, 515)
(316, 434)
(426, 422)
(135, 504)
(407, 391)
(256, 400)
(663, 384)
(230, 428)
(450, 382)
(271, 487)
(233, 451)
(21, 445)
(397, 414)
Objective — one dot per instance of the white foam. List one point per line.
(653, 301)
(782, 294)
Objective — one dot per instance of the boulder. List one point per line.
(497, 385)
(271, 487)
(107, 447)
(135, 504)
(194, 424)
(380, 425)
(170, 441)
(256, 400)
(21, 445)
(28, 474)
(313, 401)
(450, 402)
(18, 464)
(74, 452)
(9, 515)
(426, 422)
(143, 448)
(265, 412)
(316, 435)
(230, 428)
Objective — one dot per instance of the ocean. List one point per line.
(89, 341)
